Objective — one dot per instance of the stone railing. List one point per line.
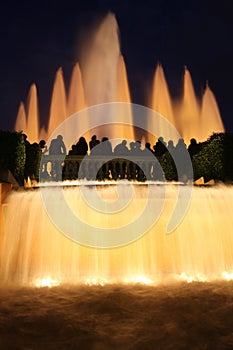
(55, 168)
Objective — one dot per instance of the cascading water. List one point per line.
(200, 248)
(33, 252)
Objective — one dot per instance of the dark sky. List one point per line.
(39, 37)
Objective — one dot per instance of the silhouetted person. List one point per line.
(94, 142)
(160, 147)
(95, 150)
(104, 150)
(170, 147)
(146, 149)
(149, 164)
(181, 146)
(81, 147)
(181, 154)
(105, 147)
(43, 170)
(131, 147)
(57, 146)
(43, 146)
(194, 147)
(121, 149)
(135, 149)
(72, 152)
(135, 171)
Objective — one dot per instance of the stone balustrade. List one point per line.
(56, 168)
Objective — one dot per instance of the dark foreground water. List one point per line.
(178, 316)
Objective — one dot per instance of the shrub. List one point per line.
(13, 153)
(215, 161)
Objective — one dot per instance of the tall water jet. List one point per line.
(76, 98)
(99, 60)
(32, 115)
(188, 111)
(21, 121)
(58, 108)
(99, 65)
(161, 101)
(123, 95)
(103, 78)
(211, 120)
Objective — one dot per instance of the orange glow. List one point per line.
(58, 103)
(187, 111)
(139, 279)
(161, 100)
(227, 275)
(191, 278)
(123, 93)
(21, 122)
(32, 115)
(200, 249)
(100, 76)
(211, 120)
(76, 97)
(46, 282)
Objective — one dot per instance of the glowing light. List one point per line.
(228, 276)
(189, 279)
(96, 282)
(155, 258)
(46, 282)
(139, 279)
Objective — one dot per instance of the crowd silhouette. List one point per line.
(132, 161)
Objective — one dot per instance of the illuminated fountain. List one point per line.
(193, 118)
(35, 251)
(101, 77)
(188, 111)
(21, 120)
(199, 249)
(104, 75)
(29, 124)
(58, 108)
(210, 115)
(161, 100)
(76, 97)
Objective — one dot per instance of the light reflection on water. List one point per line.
(179, 315)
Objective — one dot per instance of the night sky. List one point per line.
(39, 37)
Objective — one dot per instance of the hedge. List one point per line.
(13, 153)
